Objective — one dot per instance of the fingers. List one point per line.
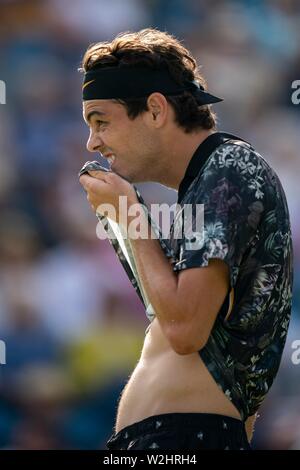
(94, 188)
(101, 175)
(84, 180)
(90, 183)
(107, 177)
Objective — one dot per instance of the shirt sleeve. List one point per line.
(222, 210)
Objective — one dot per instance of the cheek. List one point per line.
(128, 140)
(124, 143)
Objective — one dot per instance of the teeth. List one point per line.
(111, 159)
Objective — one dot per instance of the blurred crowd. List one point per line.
(72, 323)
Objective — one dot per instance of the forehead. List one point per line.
(103, 107)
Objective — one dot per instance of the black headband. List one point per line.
(137, 82)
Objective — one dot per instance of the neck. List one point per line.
(180, 150)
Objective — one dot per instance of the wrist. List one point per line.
(137, 222)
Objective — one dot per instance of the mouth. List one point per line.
(110, 157)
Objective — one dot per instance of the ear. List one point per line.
(158, 109)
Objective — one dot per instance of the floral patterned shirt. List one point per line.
(246, 224)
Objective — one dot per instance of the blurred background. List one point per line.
(72, 323)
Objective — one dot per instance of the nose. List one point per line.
(94, 143)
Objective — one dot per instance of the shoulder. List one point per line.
(239, 156)
(234, 167)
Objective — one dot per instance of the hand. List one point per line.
(104, 190)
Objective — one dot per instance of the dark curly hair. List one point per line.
(150, 47)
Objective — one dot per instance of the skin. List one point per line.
(146, 147)
(152, 147)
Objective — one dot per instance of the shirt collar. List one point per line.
(199, 159)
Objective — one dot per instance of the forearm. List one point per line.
(157, 277)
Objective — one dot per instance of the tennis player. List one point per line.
(221, 310)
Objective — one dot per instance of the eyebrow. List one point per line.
(94, 113)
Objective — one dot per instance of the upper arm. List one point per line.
(209, 259)
(200, 295)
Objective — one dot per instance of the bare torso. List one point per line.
(166, 382)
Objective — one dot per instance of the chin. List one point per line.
(123, 174)
(131, 176)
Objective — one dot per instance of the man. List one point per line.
(222, 308)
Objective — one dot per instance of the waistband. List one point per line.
(157, 423)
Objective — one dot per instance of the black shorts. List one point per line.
(182, 431)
